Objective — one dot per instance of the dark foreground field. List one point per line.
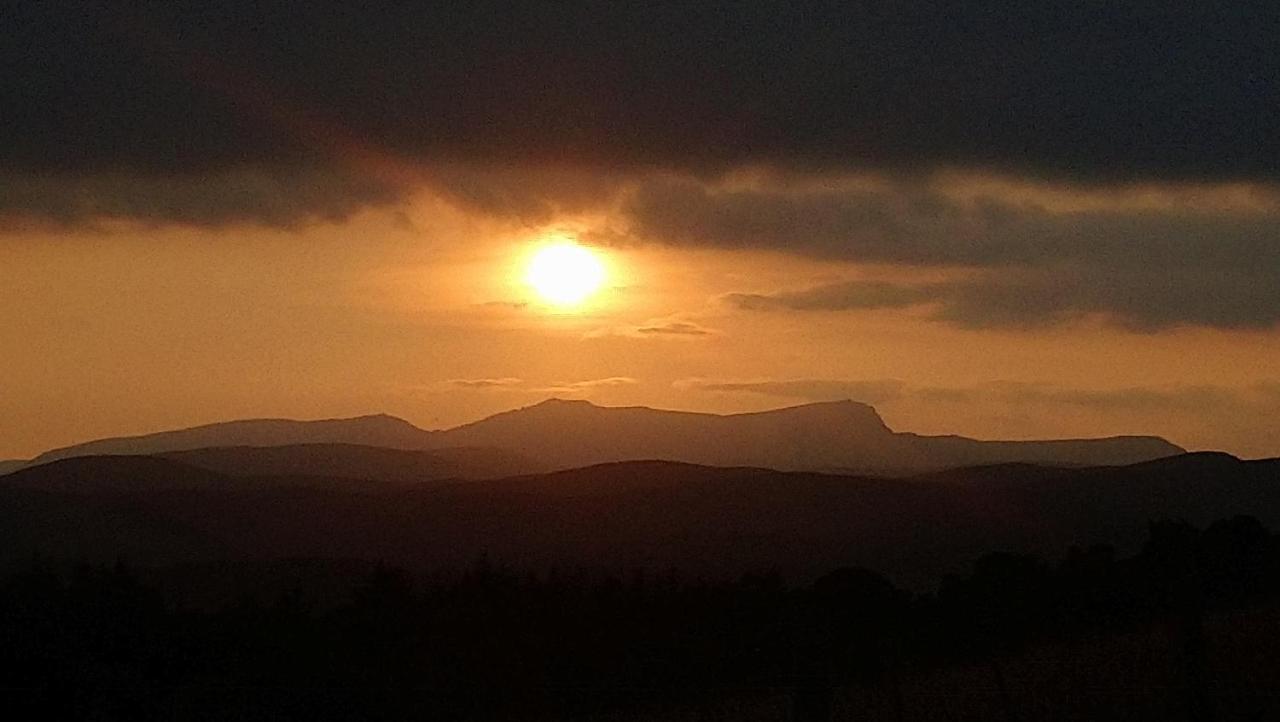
(1185, 629)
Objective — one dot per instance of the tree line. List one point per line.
(486, 643)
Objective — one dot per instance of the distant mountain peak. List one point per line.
(385, 419)
(835, 404)
(1194, 460)
(844, 411)
(555, 401)
(371, 430)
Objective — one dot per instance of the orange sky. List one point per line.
(419, 309)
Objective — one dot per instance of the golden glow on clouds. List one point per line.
(564, 274)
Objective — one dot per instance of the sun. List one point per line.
(565, 274)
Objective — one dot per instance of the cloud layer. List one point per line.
(1144, 302)
(1083, 91)
(1144, 265)
(267, 112)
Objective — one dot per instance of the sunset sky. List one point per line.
(1015, 220)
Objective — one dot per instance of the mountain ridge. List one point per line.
(843, 436)
(390, 432)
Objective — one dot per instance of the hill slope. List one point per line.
(351, 461)
(718, 522)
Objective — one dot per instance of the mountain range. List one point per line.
(567, 484)
(841, 436)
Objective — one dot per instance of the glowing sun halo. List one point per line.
(565, 274)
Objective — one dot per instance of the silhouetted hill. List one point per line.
(112, 474)
(377, 430)
(353, 461)
(11, 465)
(709, 521)
(126, 475)
(942, 452)
(841, 436)
(87, 509)
(838, 436)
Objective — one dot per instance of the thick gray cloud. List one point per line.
(1141, 301)
(271, 196)
(917, 225)
(1024, 264)
(845, 296)
(1090, 91)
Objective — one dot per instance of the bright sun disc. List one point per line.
(565, 274)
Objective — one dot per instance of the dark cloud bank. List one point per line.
(278, 113)
(1089, 90)
(1144, 268)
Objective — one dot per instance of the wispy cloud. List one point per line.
(518, 385)
(571, 387)
(674, 327)
(506, 382)
(874, 391)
